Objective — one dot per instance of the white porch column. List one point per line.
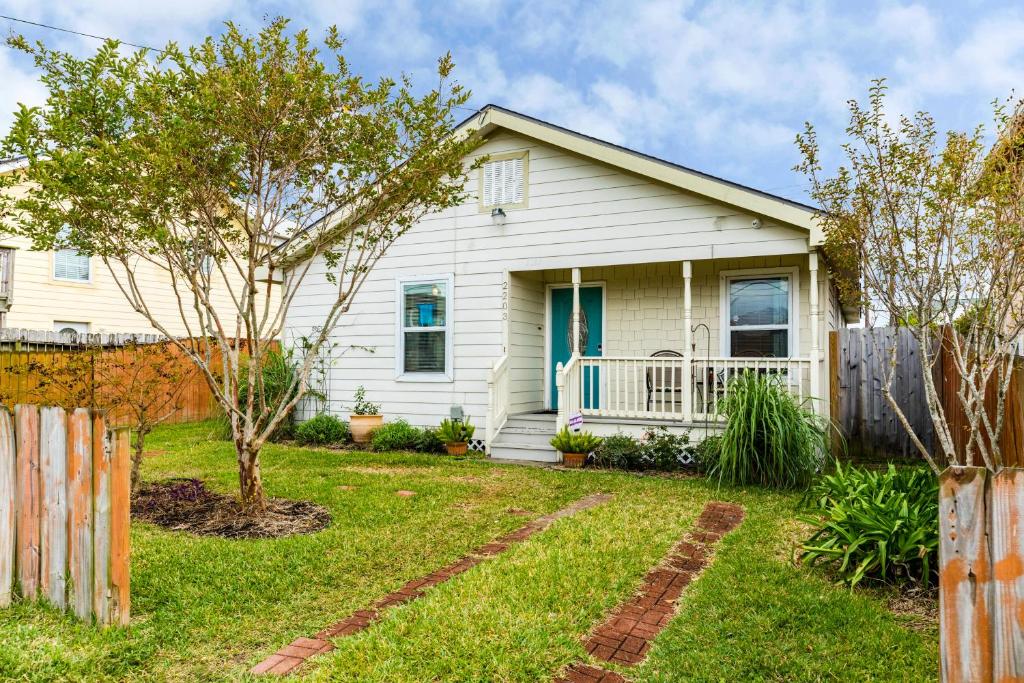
(815, 389)
(687, 377)
(575, 346)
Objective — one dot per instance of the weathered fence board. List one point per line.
(8, 521)
(965, 586)
(101, 466)
(80, 554)
(64, 511)
(28, 499)
(120, 520)
(1007, 541)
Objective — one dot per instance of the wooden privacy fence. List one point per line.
(860, 358)
(64, 511)
(48, 368)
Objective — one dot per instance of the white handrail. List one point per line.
(498, 398)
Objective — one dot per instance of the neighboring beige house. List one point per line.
(64, 291)
(671, 280)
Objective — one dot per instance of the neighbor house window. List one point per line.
(70, 328)
(759, 316)
(424, 328)
(70, 264)
(503, 181)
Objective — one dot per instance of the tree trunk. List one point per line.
(140, 443)
(250, 479)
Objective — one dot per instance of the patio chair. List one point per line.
(665, 383)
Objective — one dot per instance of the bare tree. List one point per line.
(930, 233)
(211, 163)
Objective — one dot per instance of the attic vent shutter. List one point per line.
(503, 182)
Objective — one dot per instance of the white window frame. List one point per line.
(79, 327)
(487, 206)
(448, 279)
(53, 265)
(729, 276)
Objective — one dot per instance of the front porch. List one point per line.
(629, 346)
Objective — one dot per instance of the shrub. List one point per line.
(877, 525)
(455, 431)
(769, 438)
(322, 429)
(620, 451)
(662, 449)
(575, 442)
(395, 436)
(706, 453)
(429, 442)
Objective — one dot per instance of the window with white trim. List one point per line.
(759, 316)
(425, 330)
(70, 264)
(504, 182)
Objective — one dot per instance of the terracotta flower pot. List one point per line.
(362, 425)
(573, 459)
(457, 448)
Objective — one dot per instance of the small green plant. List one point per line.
(363, 407)
(429, 442)
(662, 448)
(620, 451)
(395, 436)
(875, 525)
(322, 429)
(455, 431)
(568, 441)
(770, 439)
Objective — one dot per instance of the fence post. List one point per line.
(101, 459)
(120, 520)
(965, 586)
(80, 512)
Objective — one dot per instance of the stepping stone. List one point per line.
(405, 494)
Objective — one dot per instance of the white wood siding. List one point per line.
(579, 214)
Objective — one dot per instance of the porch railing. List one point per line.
(671, 388)
(498, 398)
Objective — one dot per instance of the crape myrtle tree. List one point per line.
(208, 163)
(930, 231)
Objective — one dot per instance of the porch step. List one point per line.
(526, 437)
(521, 451)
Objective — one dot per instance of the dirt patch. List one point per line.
(918, 608)
(154, 453)
(187, 505)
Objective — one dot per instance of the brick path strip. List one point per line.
(293, 655)
(625, 637)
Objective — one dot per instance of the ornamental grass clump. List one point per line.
(770, 439)
(876, 525)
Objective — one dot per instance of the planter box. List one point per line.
(457, 448)
(574, 459)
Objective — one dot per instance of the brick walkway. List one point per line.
(293, 655)
(625, 637)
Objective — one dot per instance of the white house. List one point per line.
(672, 281)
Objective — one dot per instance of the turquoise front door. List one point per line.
(591, 341)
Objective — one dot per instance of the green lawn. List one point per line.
(208, 609)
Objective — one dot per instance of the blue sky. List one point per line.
(721, 86)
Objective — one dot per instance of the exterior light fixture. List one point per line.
(498, 216)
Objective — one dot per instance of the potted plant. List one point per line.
(575, 446)
(365, 417)
(456, 435)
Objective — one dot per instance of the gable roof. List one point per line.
(492, 117)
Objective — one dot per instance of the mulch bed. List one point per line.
(187, 505)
